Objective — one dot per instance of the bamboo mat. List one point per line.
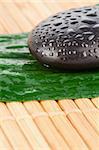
(45, 125)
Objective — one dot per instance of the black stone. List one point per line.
(68, 40)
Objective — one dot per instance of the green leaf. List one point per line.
(22, 78)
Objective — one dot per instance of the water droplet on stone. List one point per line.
(74, 52)
(91, 37)
(69, 52)
(70, 31)
(44, 45)
(84, 54)
(96, 26)
(66, 41)
(38, 50)
(50, 44)
(92, 14)
(88, 33)
(58, 23)
(78, 36)
(51, 54)
(88, 9)
(43, 53)
(88, 21)
(63, 53)
(60, 50)
(46, 65)
(84, 27)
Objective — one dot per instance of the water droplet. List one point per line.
(69, 52)
(84, 27)
(59, 50)
(76, 44)
(93, 42)
(46, 65)
(78, 36)
(74, 22)
(91, 50)
(64, 27)
(50, 44)
(63, 53)
(89, 21)
(72, 18)
(91, 54)
(83, 45)
(51, 54)
(88, 9)
(58, 23)
(45, 25)
(96, 50)
(91, 45)
(43, 53)
(58, 45)
(69, 43)
(64, 44)
(38, 50)
(96, 26)
(86, 45)
(51, 41)
(70, 31)
(36, 41)
(64, 49)
(44, 45)
(68, 16)
(84, 54)
(66, 41)
(63, 58)
(53, 48)
(77, 11)
(88, 33)
(91, 37)
(74, 52)
(92, 14)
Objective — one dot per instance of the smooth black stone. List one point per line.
(68, 40)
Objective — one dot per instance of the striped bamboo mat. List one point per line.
(57, 125)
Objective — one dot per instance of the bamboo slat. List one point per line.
(45, 125)
(4, 142)
(96, 101)
(80, 123)
(11, 129)
(7, 22)
(62, 124)
(56, 125)
(89, 111)
(18, 17)
(27, 125)
(27, 11)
